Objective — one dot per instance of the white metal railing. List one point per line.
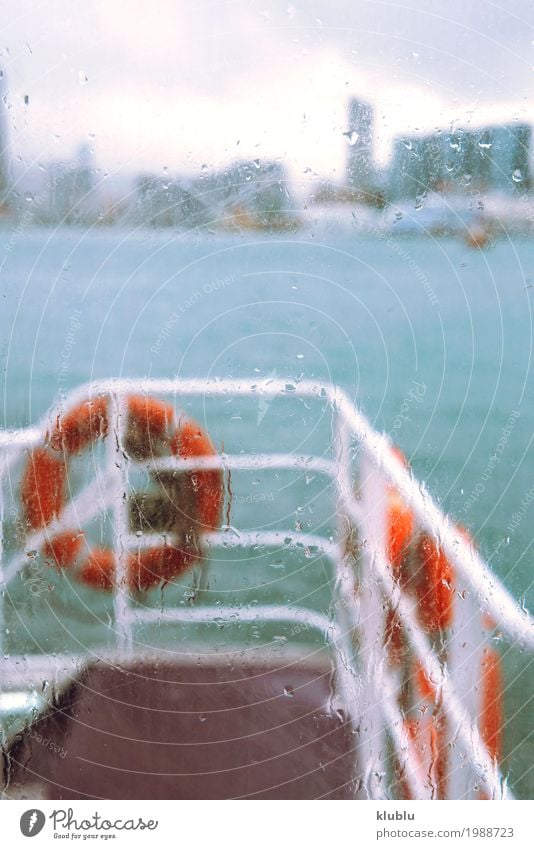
(365, 585)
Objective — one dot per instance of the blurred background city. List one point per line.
(472, 179)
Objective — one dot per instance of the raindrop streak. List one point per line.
(352, 137)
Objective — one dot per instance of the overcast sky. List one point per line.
(178, 83)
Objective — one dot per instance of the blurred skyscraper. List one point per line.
(510, 157)
(359, 137)
(71, 197)
(493, 158)
(4, 154)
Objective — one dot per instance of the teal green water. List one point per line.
(432, 340)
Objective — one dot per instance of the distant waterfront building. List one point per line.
(495, 158)
(165, 202)
(254, 193)
(359, 138)
(419, 165)
(5, 182)
(245, 195)
(71, 189)
(510, 157)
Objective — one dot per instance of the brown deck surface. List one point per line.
(188, 732)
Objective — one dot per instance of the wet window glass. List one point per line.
(266, 425)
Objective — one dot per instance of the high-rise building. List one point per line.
(491, 158)
(4, 155)
(509, 157)
(359, 137)
(71, 189)
(418, 165)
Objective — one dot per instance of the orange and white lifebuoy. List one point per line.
(491, 710)
(436, 595)
(434, 590)
(151, 432)
(422, 569)
(399, 532)
(434, 586)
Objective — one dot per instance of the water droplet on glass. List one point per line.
(352, 137)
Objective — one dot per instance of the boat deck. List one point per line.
(170, 730)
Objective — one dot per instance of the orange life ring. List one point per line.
(423, 734)
(435, 590)
(399, 531)
(430, 730)
(399, 523)
(434, 586)
(150, 432)
(491, 711)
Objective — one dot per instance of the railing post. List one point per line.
(3, 587)
(466, 642)
(372, 652)
(345, 603)
(117, 470)
(3, 590)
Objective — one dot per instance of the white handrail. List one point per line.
(351, 424)
(513, 619)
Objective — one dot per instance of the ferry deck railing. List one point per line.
(365, 585)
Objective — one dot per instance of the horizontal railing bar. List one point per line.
(21, 437)
(85, 508)
(26, 437)
(31, 436)
(95, 498)
(194, 386)
(230, 615)
(244, 539)
(241, 462)
(515, 621)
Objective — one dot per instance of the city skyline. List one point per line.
(461, 159)
(360, 137)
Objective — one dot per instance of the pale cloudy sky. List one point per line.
(179, 83)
